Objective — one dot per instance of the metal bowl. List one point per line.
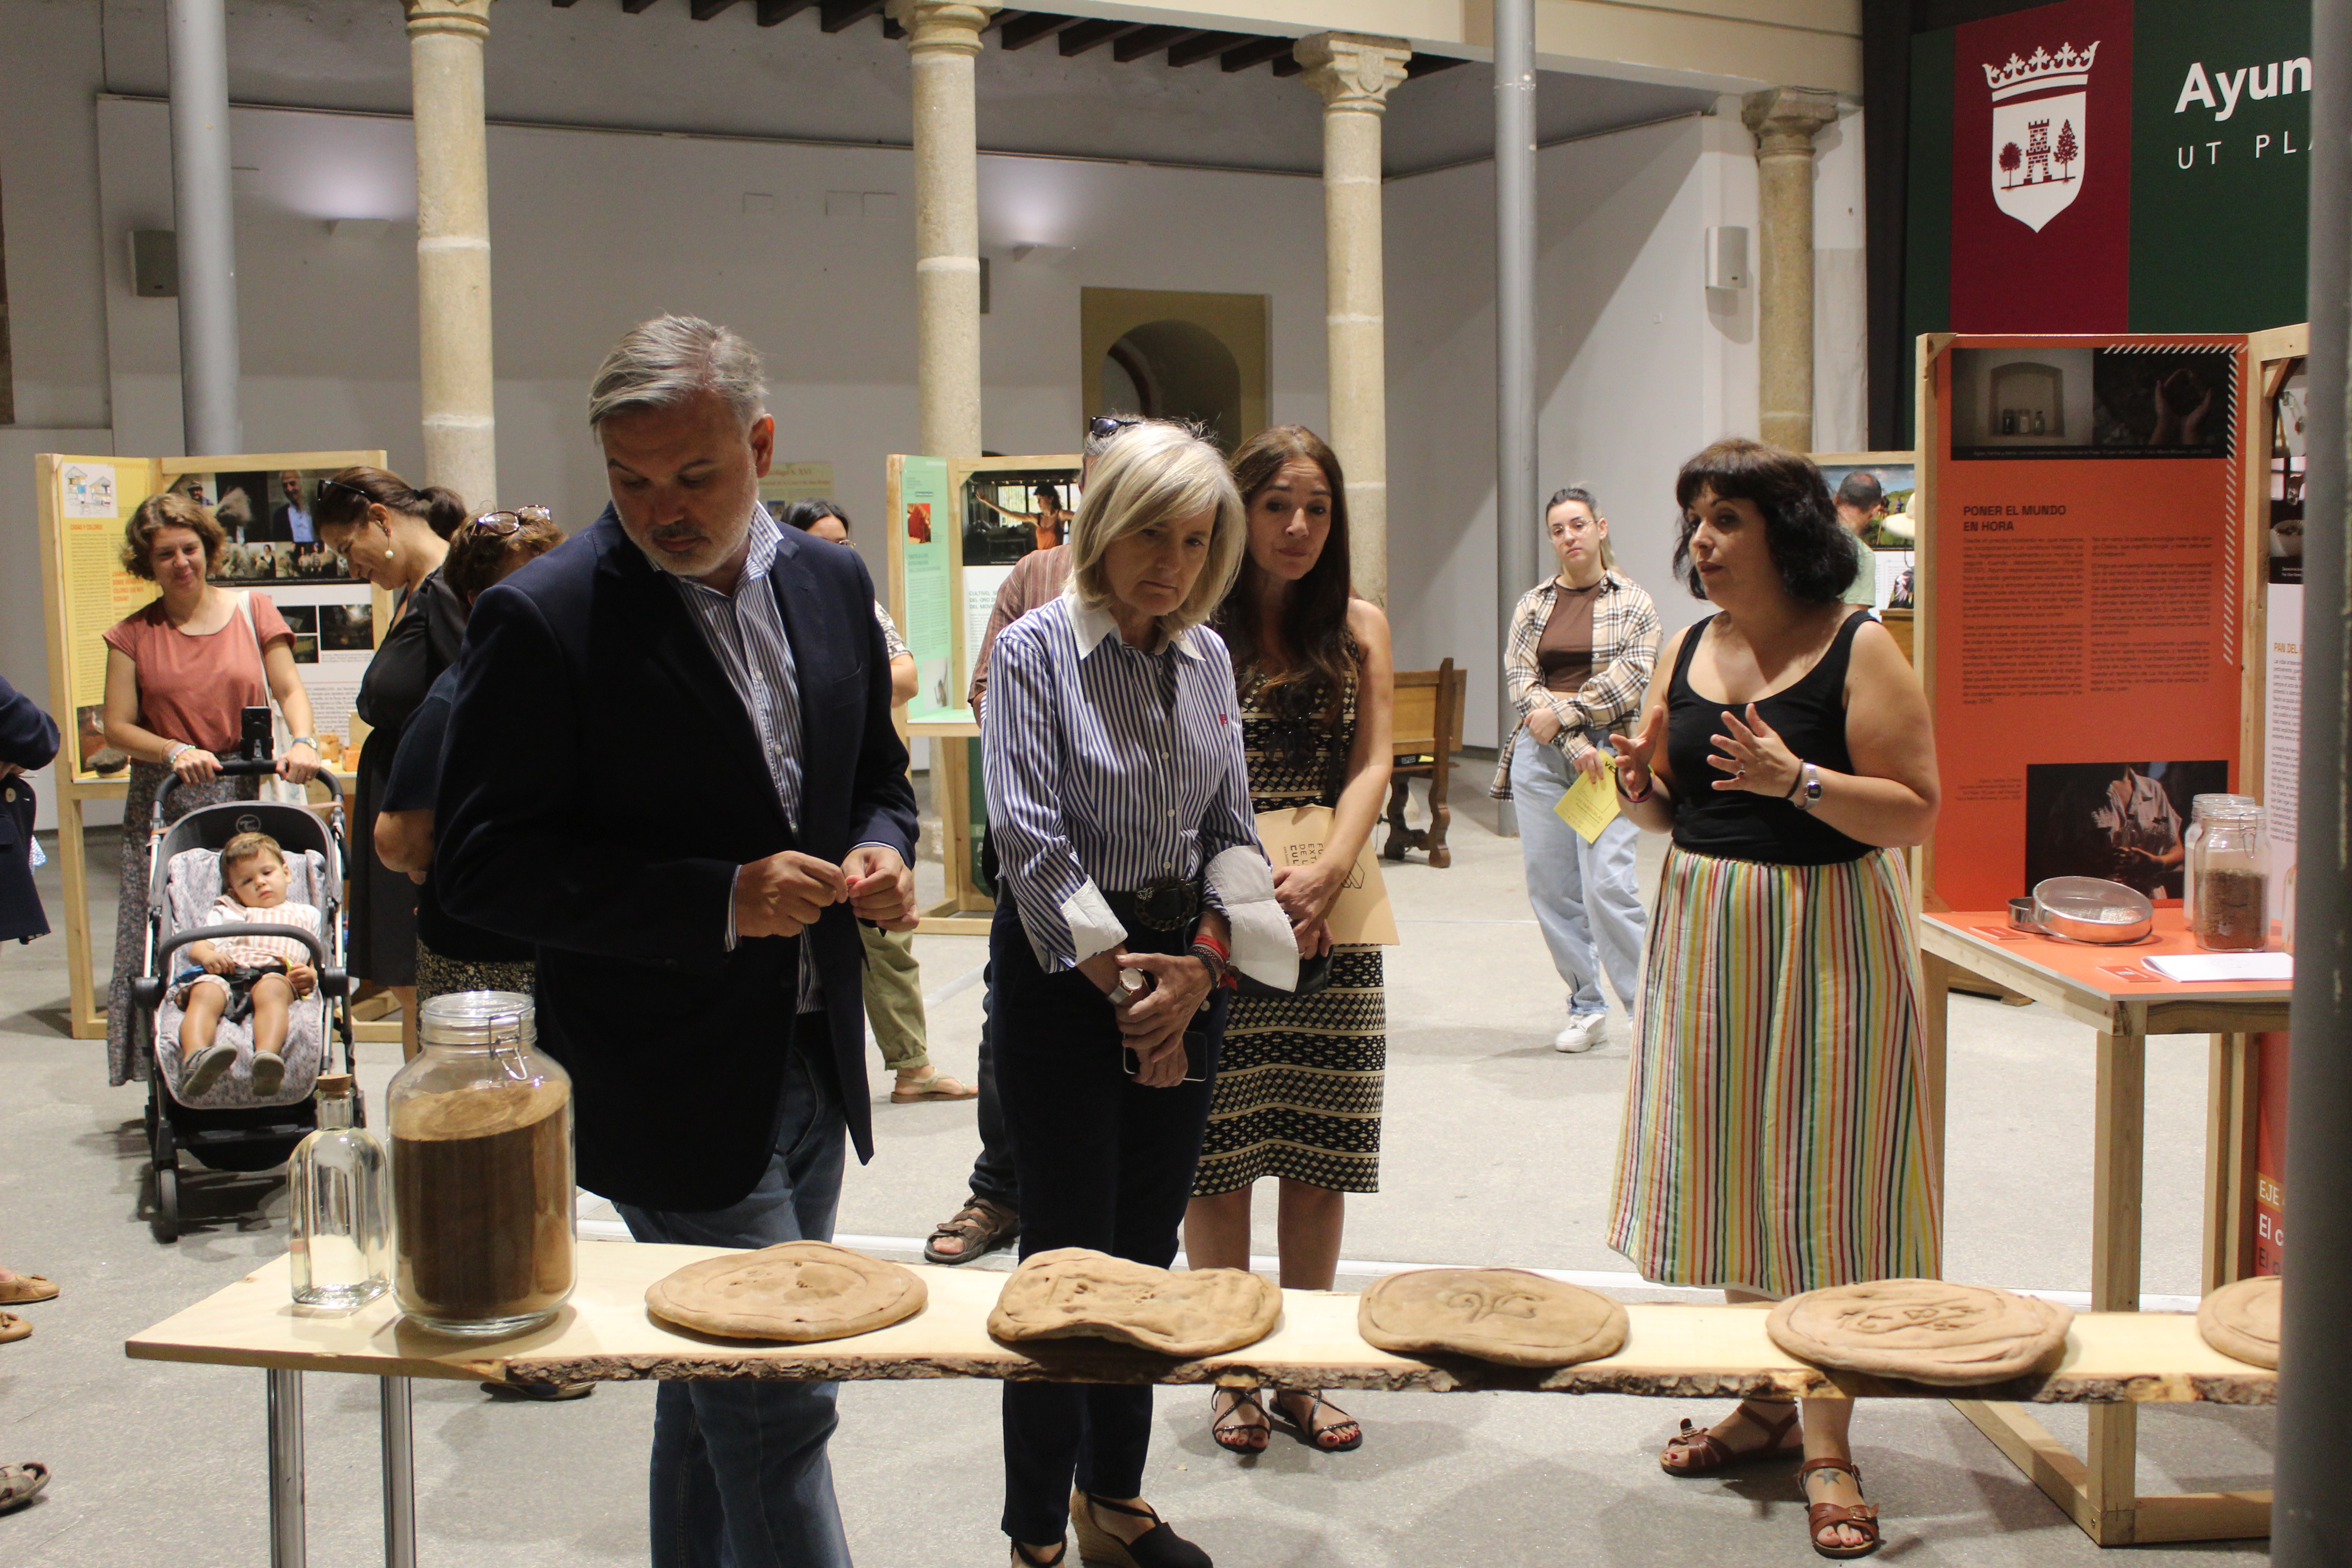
(2020, 914)
(2092, 910)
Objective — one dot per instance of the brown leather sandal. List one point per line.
(1709, 1455)
(980, 1227)
(1820, 1516)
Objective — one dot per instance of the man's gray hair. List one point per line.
(662, 363)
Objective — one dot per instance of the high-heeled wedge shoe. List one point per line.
(1159, 1547)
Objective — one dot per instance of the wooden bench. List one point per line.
(1428, 732)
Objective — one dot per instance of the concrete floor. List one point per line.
(1497, 1150)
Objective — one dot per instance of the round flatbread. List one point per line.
(798, 1291)
(1074, 1293)
(1923, 1330)
(1505, 1315)
(2241, 1320)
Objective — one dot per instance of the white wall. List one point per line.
(592, 230)
(1639, 365)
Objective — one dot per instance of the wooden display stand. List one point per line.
(1969, 950)
(68, 600)
(2112, 1360)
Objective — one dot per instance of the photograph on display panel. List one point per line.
(1008, 514)
(1873, 492)
(265, 516)
(2129, 400)
(2121, 821)
(2289, 413)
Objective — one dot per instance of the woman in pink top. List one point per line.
(179, 674)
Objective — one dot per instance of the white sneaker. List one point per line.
(1584, 1031)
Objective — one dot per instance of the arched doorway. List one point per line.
(1171, 356)
(1176, 370)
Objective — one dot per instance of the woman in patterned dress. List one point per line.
(1298, 1094)
(1775, 1133)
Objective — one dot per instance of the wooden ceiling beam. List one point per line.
(774, 12)
(1256, 52)
(1147, 41)
(1077, 40)
(1430, 65)
(836, 15)
(635, 6)
(703, 10)
(1027, 28)
(1201, 47)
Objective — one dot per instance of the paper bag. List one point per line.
(1296, 836)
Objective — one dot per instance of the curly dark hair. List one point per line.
(1814, 551)
(158, 512)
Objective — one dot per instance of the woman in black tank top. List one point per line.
(1786, 745)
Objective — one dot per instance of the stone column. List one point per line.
(452, 244)
(1785, 119)
(943, 37)
(1355, 76)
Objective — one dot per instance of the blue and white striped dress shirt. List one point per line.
(745, 632)
(1110, 768)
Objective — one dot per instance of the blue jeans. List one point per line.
(740, 1474)
(1587, 897)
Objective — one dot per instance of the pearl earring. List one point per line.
(387, 554)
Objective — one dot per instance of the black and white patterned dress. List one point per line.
(1298, 1086)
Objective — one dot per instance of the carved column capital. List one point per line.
(1787, 119)
(1351, 71)
(459, 18)
(944, 25)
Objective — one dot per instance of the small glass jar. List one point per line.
(2230, 867)
(481, 1168)
(2197, 806)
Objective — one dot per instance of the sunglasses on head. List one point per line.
(1103, 426)
(506, 524)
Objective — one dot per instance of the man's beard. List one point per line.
(715, 552)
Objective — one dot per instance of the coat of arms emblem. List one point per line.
(2040, 132)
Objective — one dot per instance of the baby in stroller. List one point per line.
(245, 976)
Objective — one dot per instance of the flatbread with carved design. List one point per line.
(1922, 1330)
(1505, 1315)
(798, 1291)
(1073, 1292)
(2241, 1320)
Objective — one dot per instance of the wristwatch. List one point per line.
(309, 741)
(1809, 789)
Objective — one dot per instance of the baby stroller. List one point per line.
(228, 1128)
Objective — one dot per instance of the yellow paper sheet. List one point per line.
(1590, 802)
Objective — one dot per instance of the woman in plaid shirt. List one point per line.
(1580, 654)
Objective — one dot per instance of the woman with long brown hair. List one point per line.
(395, 537)
(1298, 1095)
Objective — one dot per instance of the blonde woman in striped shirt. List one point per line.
(1119, 804)
(1775, 1134)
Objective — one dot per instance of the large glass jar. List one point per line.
(2197, 806)
(481, 1170)
(2229, 866)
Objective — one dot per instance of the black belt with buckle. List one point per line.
(1172, 903)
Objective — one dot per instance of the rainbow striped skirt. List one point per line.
(1775, 1136)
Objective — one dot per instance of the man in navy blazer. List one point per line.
(670, 766)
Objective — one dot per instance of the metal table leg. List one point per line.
(399, 1476)
(289, 1542)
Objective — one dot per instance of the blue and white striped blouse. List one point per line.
(1111, 767)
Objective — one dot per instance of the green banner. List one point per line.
(924, 523)
(2221, 156)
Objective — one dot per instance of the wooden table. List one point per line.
(2106, 989)
(603, 1334)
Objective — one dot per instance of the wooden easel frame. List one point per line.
(966, 911)
(85, 1016)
